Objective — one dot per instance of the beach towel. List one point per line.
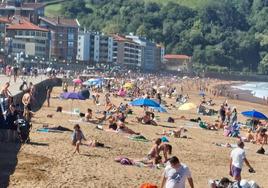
(59, 128)
(164, 139)
(46, 130)
(226, 145)
(138, 138)
(148, 185)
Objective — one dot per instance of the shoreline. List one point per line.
(238, 94)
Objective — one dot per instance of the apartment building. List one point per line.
(149, 58)
(128, 52)
(63, 38)
(3, 23)
(9, 8)
(27, 38)
(94, 48)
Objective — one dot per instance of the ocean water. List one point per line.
(258, 89)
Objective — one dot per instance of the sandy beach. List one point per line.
(49, 160)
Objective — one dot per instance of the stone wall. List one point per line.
(40, 97)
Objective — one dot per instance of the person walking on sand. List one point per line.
(175, 175)
(237, 157)
(77, 138)
(49, 90)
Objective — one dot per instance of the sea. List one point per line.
(258, 89)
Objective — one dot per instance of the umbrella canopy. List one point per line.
(187, 106)
(77, 81)
(72, 95)
(93, 82)
(128, 85)
(159, 109)
(145, 102)
(254, 114)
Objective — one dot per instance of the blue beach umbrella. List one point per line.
(93, 82)
(254, 114)
(159, 109)
(145, 102)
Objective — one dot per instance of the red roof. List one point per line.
(176, 56)
(4, 20)
(23, 24)
(119, 38)
(61, 21)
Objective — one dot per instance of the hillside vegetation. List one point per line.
(226, 33)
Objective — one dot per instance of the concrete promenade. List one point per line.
(14, 86)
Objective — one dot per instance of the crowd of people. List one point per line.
(114, 118)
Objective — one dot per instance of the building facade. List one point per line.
(176, 62)
(9, 8)
(63, 38)
(27, 38)
(3, 23)
(128, 52)
(149, 58)
(94, 48)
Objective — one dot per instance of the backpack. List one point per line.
(171, 120)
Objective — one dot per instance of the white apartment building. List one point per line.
(95, 48)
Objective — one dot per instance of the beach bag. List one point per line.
(171, 120)
(125, 161)
(261, 151)
(82, 114)
(59, 109)
(148, 185)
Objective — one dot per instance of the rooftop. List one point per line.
(121, 38)
(61, 21)
(23, 24)
(23, 6)
(176, 56)
(4, 20)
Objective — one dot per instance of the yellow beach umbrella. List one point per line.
(187, 106)
(128, 85)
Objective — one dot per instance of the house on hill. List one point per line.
(177, 62)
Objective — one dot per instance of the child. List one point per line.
(77, 138)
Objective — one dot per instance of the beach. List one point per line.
(49, 161)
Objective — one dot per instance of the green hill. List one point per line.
(54, 9)
(189, 3)
(231, 34)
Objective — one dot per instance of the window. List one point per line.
(44, 34)
(70, 36)
(70, 30)
(19, 32)
(38, 34)
(27, 33)
(71, 44)
(70, 52)
(32, 33)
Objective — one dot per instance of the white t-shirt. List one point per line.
(176, 178)
(238, 155)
